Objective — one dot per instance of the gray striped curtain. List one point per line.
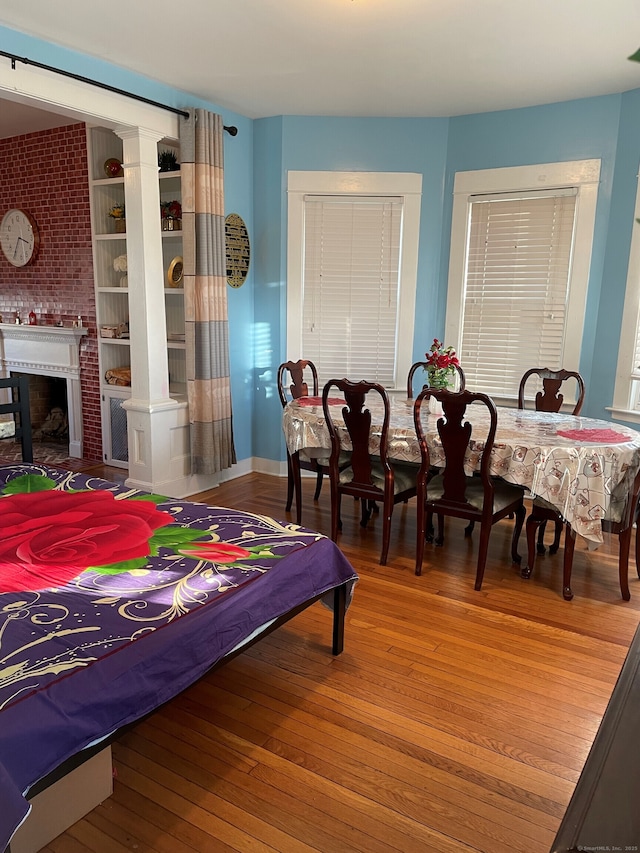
(205, 292)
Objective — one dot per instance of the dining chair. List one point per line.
(422, 365)
(295, 378)
(370, 477)
(622, 526)
(550, 400)
(19, 405)
(484, 499)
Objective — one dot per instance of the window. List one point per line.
(626, 396)
(519, 271)
(352, 263)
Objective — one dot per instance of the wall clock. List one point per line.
(19, 237)
(238, 250)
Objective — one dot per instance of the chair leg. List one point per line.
(469, 528)
(569, 547)
(429, 531)
(386, 533)
(365, 508)
(483, 548)
(553, 548)
(439, 540)
(421, 524)
(623, 562)
(532, 525)
(520, 514)
(316, 494)
(289, 484)
(297, 485)
(541, 548)
(335, 512)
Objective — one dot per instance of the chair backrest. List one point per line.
(19, 386)
(357, 420)
(455, 435)
(549, 399)
(422, 365)
(295, 372)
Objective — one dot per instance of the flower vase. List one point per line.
(120, 225)
(435, 407)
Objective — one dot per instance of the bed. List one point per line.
(113, 600)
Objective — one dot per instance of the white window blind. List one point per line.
(351, 286)
(635, 369)
(519, 256)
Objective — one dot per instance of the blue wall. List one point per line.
(257, 162)
(335, 144)
(576, 130)
(606, 128)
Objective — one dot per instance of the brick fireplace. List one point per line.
(45, 173)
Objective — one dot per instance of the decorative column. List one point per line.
(150, 409)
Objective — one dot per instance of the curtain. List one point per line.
(205, 292)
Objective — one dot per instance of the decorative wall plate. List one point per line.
(238, 250)
(175, 272)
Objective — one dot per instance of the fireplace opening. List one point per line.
(48, 407)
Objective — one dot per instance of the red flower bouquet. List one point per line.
(441, 365)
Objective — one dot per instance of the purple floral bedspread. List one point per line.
(91, 577)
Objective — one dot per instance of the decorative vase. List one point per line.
(435, 407)
(124, 281)
(120, 225)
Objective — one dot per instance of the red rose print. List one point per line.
(47, 538)
(216, 552)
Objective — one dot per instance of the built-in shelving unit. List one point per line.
(111, 286)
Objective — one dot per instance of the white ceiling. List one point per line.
(355, 57)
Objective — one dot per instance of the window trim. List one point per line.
(408, 185)
(583, 174)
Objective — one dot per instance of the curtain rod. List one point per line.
(232, 130)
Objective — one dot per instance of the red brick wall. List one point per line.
(45, 173)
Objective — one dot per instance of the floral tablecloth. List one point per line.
(582, 466)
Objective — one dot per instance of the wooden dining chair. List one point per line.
(550, 400)
(373, 478)
(19, 405)
(622, 526)
(300, 379)
(422, 365)
(482, 498)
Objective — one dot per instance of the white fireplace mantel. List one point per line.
(47, 351)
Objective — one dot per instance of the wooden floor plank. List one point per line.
(455, 721)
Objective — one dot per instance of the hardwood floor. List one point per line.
(454, 721)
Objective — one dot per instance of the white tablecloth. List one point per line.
(586, 480)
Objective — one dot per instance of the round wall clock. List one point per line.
(238, 250)
(19, 237)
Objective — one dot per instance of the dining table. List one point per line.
(584, 467)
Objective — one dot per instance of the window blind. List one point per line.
(351, 286)
(516, 287)
(635, 367)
